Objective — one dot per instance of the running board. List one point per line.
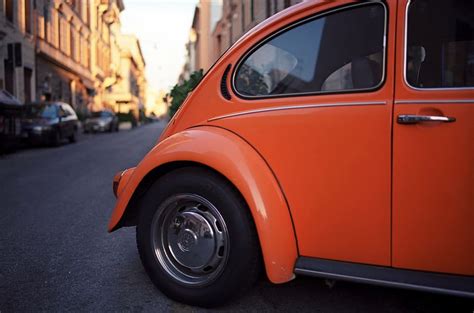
(456, 285)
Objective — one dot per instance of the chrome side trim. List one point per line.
(296, 107)
(405, 62)
(296, 24)
(434, 101)
(385, 283)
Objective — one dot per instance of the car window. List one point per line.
(63, 112)
(440, 44)
(340, 51)
(44, 111)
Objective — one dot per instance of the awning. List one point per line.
(7, 99)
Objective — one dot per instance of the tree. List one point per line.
(180, 92)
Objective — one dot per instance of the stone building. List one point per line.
(200, 47)
(17, 53)
(217, 24)
(71, 51)
(239, 16)
(64, 61)
(129, 93)
(74, 50)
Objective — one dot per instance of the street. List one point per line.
(56, 254)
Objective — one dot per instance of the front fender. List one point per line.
(238, 161)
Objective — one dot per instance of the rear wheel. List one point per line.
(196, 238)
(56, 139)
(73, 137)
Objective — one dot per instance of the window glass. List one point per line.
(440, 44)
(63, 112)
(336, 52)
(45, 111)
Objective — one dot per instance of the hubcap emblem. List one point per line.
(187, 240)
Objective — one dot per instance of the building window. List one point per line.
(72, 42)
(27, 76)
(287, 3)
(60, 33)
(252, 11)
(9, 76)
(219, 44)
(231, 31)
(87, 18)
(9, 11)
(275, 6)
(268, 8)
(46, 21)
(243, 15)
(28, 16)
(78, 49)
(54, 28)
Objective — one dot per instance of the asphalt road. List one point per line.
(56, 255)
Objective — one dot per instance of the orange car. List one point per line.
(335, 139)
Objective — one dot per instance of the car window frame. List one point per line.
(62, 110)
(405, 60)
(297, 23)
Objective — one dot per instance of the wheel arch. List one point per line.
(131, 213)
(227, 154)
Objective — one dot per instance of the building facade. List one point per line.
(217, 24)
(200, 49)
(239, 16)
(74, 50)
(71, 51)
(63, 46)
(128, 95)
(17, 50)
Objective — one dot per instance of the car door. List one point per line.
(319, 96)
(66, 122)
(72, 117)
(433, 137)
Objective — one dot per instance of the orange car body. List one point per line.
(333, 176)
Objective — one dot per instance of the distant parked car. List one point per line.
(49, 123)
(101, 121)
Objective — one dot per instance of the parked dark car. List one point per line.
(49, 123)
(101, 121)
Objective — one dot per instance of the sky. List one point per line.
(162, 26)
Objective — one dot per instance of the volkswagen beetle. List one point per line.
(335, 139)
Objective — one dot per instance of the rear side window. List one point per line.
(340, 51)
(440, 44)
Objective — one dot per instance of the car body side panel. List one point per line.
(333, 163)
(231, 156)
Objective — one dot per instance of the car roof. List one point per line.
(46, 103)
(277, 17)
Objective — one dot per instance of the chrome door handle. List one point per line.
(414, 119)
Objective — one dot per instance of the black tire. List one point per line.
(56, 140)
(242, 252)
(73, 137)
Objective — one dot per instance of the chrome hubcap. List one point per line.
(190, 239)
